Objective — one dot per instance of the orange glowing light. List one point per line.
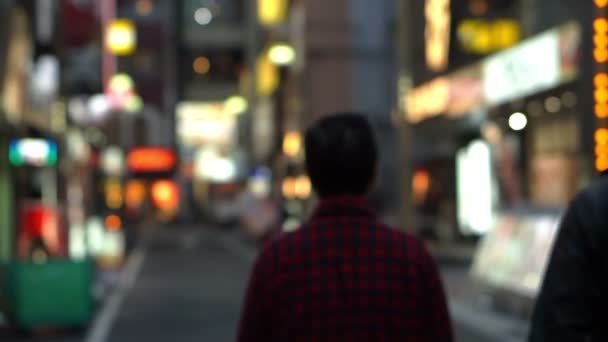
(289, 187)
(601, 164)
(601, 95)
(292, 143)
(600, 25)
(601, 110)
(421, 183)
(600, 3)
(303, 187)
(151, 160)
(601, 149)
(113, 222)
(601, 80)
(144, 7)
(201, 65)
(601, 136)
(600, 40)
(600, 55)
(135, 193)
(165, 195)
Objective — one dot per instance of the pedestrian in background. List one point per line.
(574, 295)
(344, 276)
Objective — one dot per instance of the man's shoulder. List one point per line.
(593, 198)
(589, 207)
(380, 233)
(282, 239)
(399, 236)
(597, 190)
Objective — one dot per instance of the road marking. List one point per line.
(102, 325)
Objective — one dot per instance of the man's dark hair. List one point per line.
(341, 155)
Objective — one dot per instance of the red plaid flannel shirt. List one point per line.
(344, 276)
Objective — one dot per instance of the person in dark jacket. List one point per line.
(574, 295)
(343, 275)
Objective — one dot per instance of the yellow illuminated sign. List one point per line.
(428, 100)
(272, 12)
(292, 143)
(267, 76)
(114, 193)
(121, 37)
(437, 33)
(479, 36)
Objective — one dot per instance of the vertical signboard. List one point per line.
(600, 83)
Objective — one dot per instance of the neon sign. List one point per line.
(33, 152)
(600, 84)
(437, 33)
(152, 160)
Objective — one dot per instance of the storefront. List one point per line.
(501, 147)
(494, 132)
(15, 43)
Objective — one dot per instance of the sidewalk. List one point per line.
(472, 312)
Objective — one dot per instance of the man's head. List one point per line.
(341, 155)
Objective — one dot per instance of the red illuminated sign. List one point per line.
(152, 160)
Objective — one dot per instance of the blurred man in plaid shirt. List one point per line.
(344, 276)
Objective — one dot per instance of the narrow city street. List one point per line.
(186, 283)
(189, 288)
(191, 285)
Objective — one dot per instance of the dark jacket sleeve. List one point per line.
(571, 292)
(255, 325)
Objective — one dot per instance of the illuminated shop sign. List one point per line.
(483, 37)
(600, 84)
(451, 95)
(538, 64)
(210, 165)
(531, 67)
(165, 194)
(437, 33)
(33, 152)
(121, 37)
(475, 189)
(152, 160)
(272, 12)
(199, 123)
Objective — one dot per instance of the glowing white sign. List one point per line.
(531, 67)
(475, 189)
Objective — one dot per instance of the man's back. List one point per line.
(345, 277)
(573, 300)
